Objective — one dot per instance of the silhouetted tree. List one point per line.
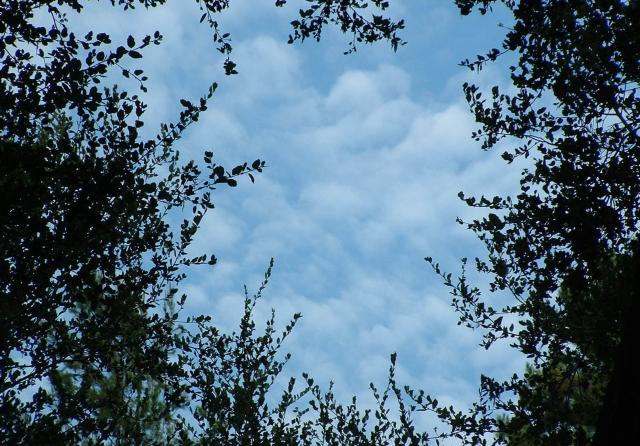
(91, 346)
(561, 400)
(85, 195)
(575, 113)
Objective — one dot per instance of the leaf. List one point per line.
(218, 171)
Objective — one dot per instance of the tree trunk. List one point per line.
(619, 421)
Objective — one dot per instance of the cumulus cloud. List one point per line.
(364, 167)
(362, 184)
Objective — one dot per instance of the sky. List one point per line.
(366, 154)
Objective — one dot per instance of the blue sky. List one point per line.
(366, 154)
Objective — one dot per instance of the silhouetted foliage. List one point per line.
(92, 350)
(88, 255)
(575, 113)
(561, 401)
(347, 15)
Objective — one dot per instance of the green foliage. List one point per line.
(129, 407)
(560, 402)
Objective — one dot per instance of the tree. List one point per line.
(83, 199)
(562, 400)
(89, 257)
(87, 198)
(127, 404)
(576, 115)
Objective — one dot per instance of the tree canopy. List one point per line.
(92, 346)
(92, 349)
(574, 224)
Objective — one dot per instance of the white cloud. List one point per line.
(362, 183)
(360, 188)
